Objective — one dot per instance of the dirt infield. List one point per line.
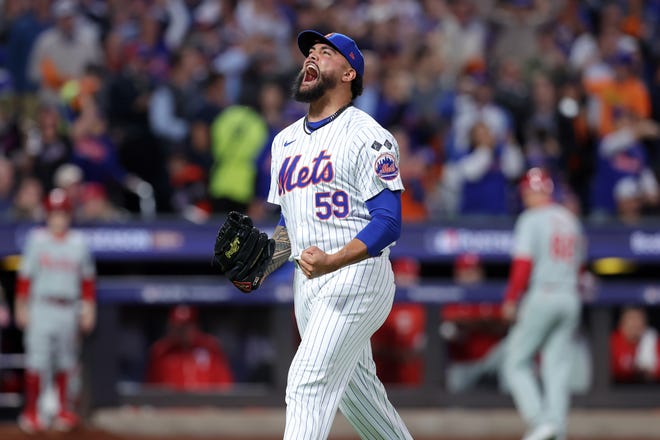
(10, 432)
(268, 424)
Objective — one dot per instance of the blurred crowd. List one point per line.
(168, 107)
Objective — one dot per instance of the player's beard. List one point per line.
(323, 84)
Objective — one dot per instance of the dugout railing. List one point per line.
(106, 390)
(132, 244)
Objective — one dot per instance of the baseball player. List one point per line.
(548, 253)
(335, 176)
(54, 300)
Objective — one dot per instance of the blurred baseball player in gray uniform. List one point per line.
(548, 254)
(54, 302)
(335, 175)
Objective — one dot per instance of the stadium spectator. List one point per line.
(94, 150)
(625, 90)
(64, 51)
(47, 146)
(129, 94)
(512, 93)
(7, 184)
(187, 358)
(415, 166)
(622, 155)
(634, 348)
(27, 199)
(238, 136)
(10, 133)
(550, 59)
(543, 147)
(368, 100)
(461, 38)
(69, 177)
(213, 101)
(25, 22)
(144, 33)
(485, 173)
(468, 269)
(95, 206)
(189, 185)
(516, 24)
(171, 106)
(473, 103)
(426, 95)
(394, 101)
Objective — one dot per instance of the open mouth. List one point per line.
(311, 74)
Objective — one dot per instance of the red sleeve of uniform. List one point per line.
(521, 269)
(22, 287)
(88, 289)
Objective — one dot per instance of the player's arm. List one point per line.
(87, 292)
(383, 229)
(519, 274)
(520, 271)
(282, 248)
(28, 266)
(88, 305)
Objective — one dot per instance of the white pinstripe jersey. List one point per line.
(323, 179)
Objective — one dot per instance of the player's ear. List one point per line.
(349, 75)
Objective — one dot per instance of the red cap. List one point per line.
(466, 261)
(405, 266)
(58, 200)
(183, 314)
(537, 179)
(93, 191)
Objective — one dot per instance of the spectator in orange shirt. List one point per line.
(634, 348)
(187, 358)
(625, 89)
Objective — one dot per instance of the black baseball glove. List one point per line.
(242, 252)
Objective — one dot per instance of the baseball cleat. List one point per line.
(29, 422)
(542, 432)
(66, 421)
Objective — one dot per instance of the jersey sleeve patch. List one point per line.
(386, 167)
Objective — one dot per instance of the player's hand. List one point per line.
(21, 314)
(314, 262)
(87, 317)
(509, 310)
(4, 316)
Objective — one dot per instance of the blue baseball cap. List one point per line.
(340, 42)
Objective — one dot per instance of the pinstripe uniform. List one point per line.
(321, 180)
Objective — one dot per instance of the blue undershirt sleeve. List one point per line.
(385, 225)
(281, 222)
